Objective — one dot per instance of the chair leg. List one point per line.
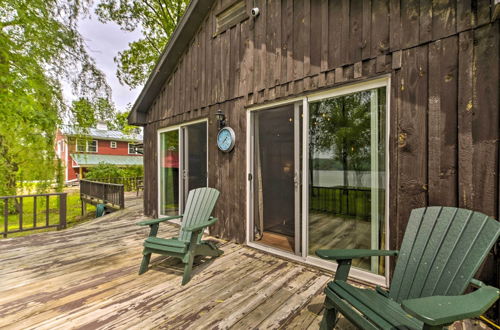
(329, 317)
(187, 269)
(145, 263)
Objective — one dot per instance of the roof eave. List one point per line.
(180, 39)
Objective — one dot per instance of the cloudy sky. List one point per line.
(104, 41)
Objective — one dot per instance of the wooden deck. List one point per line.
(86, 277)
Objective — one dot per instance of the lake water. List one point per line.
(330, 178)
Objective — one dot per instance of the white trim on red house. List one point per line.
(87, 146)
(135, 149)
(67, 159)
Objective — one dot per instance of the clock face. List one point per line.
(226, 139)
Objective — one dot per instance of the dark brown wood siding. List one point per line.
(442, 57)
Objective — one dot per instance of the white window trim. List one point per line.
(135, 151)
(96, 146)
(76, 146)
(87, 146)
(67, 160)
(113, 144)
(356, 273)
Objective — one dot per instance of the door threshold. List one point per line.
(278, 241)
(356, 274)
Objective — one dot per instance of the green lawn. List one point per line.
(73, 214)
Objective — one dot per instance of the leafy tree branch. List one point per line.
(156, 19)
(41, 52)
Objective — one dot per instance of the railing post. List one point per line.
(122, 197)
(34, 212)
(62, 211)
(47, 210)
(6, 217)
(84, 207)
(20, 213)
(105, 193)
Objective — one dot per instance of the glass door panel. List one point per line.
(183, 165)
(169, 173)
(347, 174)
(195, 157)
(275, 177)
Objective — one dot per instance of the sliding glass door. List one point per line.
(318, 175)
(182, 165)
(347, 174)
(276, 177)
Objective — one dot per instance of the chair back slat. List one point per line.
(199, 206)
(442, 249)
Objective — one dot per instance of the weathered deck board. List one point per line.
(86, 277)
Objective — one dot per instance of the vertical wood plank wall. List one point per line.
(442, 57)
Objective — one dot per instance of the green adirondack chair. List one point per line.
(188, 244)
(442, 249)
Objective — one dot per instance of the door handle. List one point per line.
(296, 180)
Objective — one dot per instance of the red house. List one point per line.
(79, 151)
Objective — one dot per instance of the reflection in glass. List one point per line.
(347, 174)
(196, 156)
(169, 173)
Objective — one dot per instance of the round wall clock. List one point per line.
(226, 139)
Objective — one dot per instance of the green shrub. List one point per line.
(104, 171)
(133, 171)
(110, 171)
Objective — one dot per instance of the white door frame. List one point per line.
(297, 183)
(182, 164)
(383, 81)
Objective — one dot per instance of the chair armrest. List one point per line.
(155, 221)
(444, 310)
(200, 226)
(353, 254)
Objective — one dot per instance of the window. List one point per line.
(92, 146)
(230, 16)
(112, 144)
(134, 149)
(86, 145)
(80, 145)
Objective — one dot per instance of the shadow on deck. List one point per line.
(86, 277)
